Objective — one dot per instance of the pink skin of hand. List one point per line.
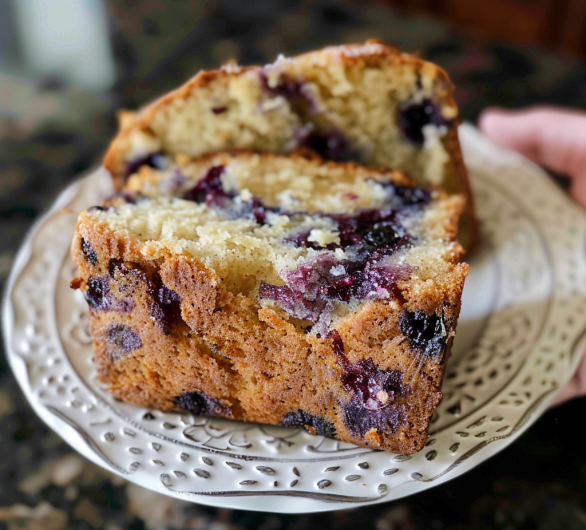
(556, 139)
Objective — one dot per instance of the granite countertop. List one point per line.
(52, 133)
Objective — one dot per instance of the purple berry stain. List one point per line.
(163, 304)
(253, 209)
(374, 391)
(295, 91)
(209, 188)
(372, 236)
(200, 404)
(414, 116)
(285, 87)
(314, 285)
(300, 297)
(374, 387)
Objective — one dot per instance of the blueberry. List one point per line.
(360, 420)
(88, 252)
(199, 404)
(414, 116)
(166, 308)
(98, 294)
(286, 87)
(409, 196)
(123, 337)
(164, 304)
(331, 146)
(167, 296)
(309, 422)
(341, 289)
(293, 90)
(426, 333)
(154, 160)
(383, 234)
(369, 229)
(210, 190)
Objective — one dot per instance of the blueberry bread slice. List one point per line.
(284, 290)
(368, 103)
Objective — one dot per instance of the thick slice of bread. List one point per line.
(282, 290)
(369, 103)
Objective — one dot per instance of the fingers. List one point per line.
(555, 138)
(552, 137)
(570, 391)
(577, 385)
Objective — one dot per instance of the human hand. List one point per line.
(556, 139)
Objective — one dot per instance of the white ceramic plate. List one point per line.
(520, 336)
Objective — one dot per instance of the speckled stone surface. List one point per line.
(51, 133)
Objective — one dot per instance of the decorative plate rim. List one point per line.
(567, 287)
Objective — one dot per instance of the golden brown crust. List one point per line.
(457, 182)
(248, 361)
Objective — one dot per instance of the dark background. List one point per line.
(507, 53)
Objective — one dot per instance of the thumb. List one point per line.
(552, 137)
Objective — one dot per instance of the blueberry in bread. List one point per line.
(285, 290)
(368, 103)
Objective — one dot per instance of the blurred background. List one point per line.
(67, 65)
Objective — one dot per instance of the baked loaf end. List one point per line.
(369, 103)
(281, 290)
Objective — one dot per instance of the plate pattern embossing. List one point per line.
(520, 338)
